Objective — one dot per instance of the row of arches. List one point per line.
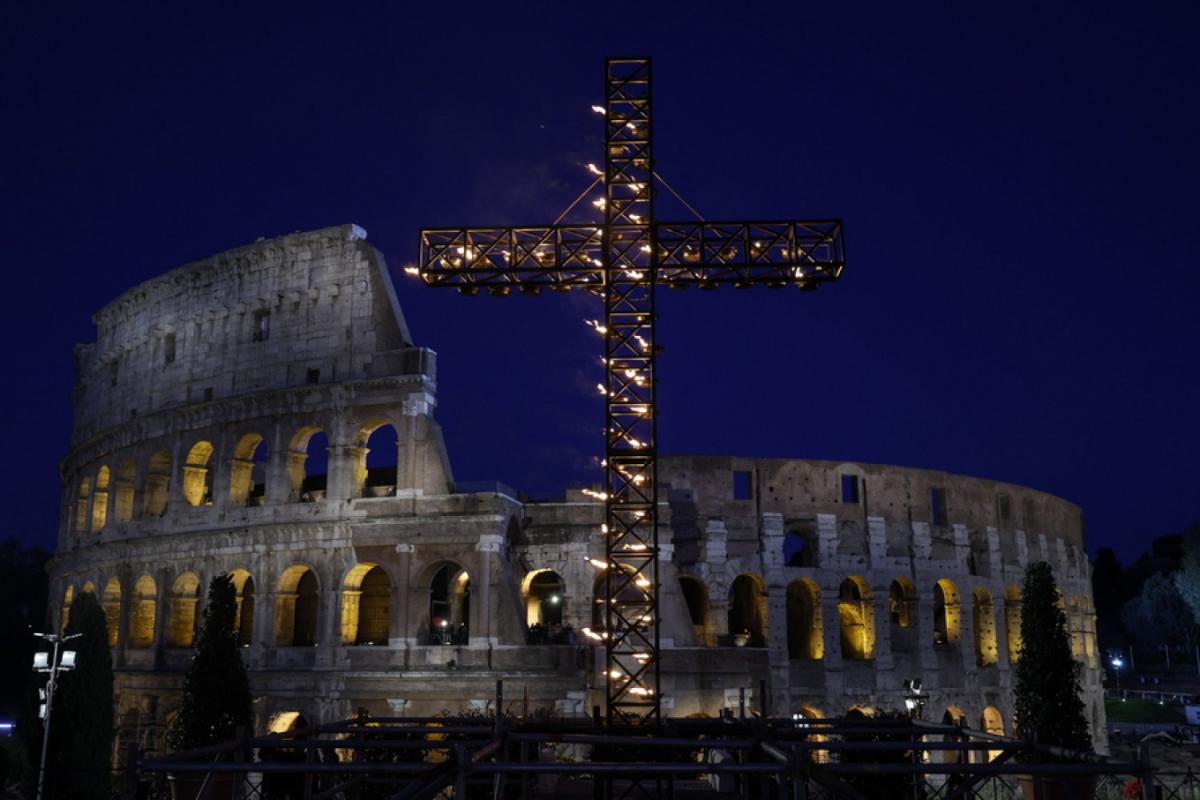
(105, 497)
(365, 600)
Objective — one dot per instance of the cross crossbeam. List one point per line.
(622, 261)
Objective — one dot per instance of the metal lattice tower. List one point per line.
(622, 261)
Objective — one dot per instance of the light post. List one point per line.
(914, 698)
(1117, 662)
(50, 662)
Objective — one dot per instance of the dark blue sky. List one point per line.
(1019, 188)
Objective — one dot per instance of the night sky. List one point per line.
(1019, 190)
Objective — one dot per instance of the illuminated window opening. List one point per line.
(100, 500)
(124, 487)
(366, 606)
(111, 603)
(947, 622)
(243, 620)
(748, 610)
(450, 606)
(185, 596)
(158, 478)
(375, 457)
(856, 614)
(197, 477)
(806, 635)
(296, 607)
(308, 460)
(144, 612)
(247, 471)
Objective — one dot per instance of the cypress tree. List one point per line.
(1048, 706)
(82, 734)
(216, 691)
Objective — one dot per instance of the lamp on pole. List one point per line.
(914, 698)
(1117, 662)
(52, 663)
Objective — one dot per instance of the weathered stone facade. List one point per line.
(213, 393)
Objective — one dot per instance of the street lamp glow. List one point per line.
(1117, 662)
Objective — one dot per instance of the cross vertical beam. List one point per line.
(629, 257)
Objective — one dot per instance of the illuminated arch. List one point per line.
(366, 605)
(953, 716)
(450, 605)
(65, 616)
(82, 501)
(143, 612)
(181, 625)
(375, 458)
(243, 620)
(902, 602)
(307, 455)
(992, 721)
(543, 592)
(987, 650)
(296, 607)
(124, 486)
(947, 612)
(806, 634)
(158, 479)
(748, 609)
(1012, 623)
(100, 499)
(111, 603)
(247, 471)
(197, 477)
(856, 615)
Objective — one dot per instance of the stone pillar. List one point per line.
(922, 543)
(404, 612)
(827, 538)
(962, 546)
(1022, 548)
(716, 538)
(482, 605)
(923, 622)
(162, 613)
(329, 620)
(877, 541)
(771, 555)
(343, 461)
(995, 557)
(175, 498)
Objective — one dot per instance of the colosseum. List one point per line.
(265, 413)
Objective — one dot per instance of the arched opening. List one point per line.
(100, 500)
(1012, 623)
(800, 548)
(987, 651)
(296, 608)
(185, 595)
(630, 589)
(375, 456)
(144, 612)
(544, 601)
(946, 612)
(197, 477)
(158, 478)
(954, 716)
(89, 587)
(248, 471)
(801, 719)
(82, 500)
(992, 721)
(902, 602)
(111, 603)
(124, 486)
(243, 620)
(366, 606)
(748, 610)
(856, 613)
(450, 605)
(308, 464)
(695, 597)
(806, 635)
(65, 616)
(286, 722)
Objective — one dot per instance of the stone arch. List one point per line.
(100, 499)
(243, 620)
(88, 587)
(543, 593)
(247, 471)
(143, 612)
(902, 602)
(987, 650)
(748, 609)
(806, 634)
(800, 717)
(953, 716)
(856, 615)
(308, 463)
(450, 604)
(185, 596)
(992, 721)
(695, 597)
(82, 501)
(1012, 623)
(123, 490)
(197, 475)
(297, 607)
(158, 479)
(375, 458)
(65, 615)
(366, 605)
(111, 603)
(947, 612)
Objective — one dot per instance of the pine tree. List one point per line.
(82, 736)
(1048, 704)
(216, 691)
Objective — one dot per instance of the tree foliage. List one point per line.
(1048, 704)
(1158, 615)
(216, 691)
(1187, 579)
(82, 732)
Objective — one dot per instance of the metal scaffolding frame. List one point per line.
(622, 261)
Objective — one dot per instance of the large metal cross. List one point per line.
(622, 261)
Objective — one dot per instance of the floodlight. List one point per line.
(41, 661)
(68, 660)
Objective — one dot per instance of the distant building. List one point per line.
(264, 413)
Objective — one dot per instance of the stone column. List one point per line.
(1022, 548)
(995, 558)
(716, 538)
(483, 624)
(162, 613)
(404, 612)
(175, 498)
(877, 541)
(771, 555)
(329, 619)
(827, 537)
(962, 546)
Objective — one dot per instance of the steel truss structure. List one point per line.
(622, 261)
